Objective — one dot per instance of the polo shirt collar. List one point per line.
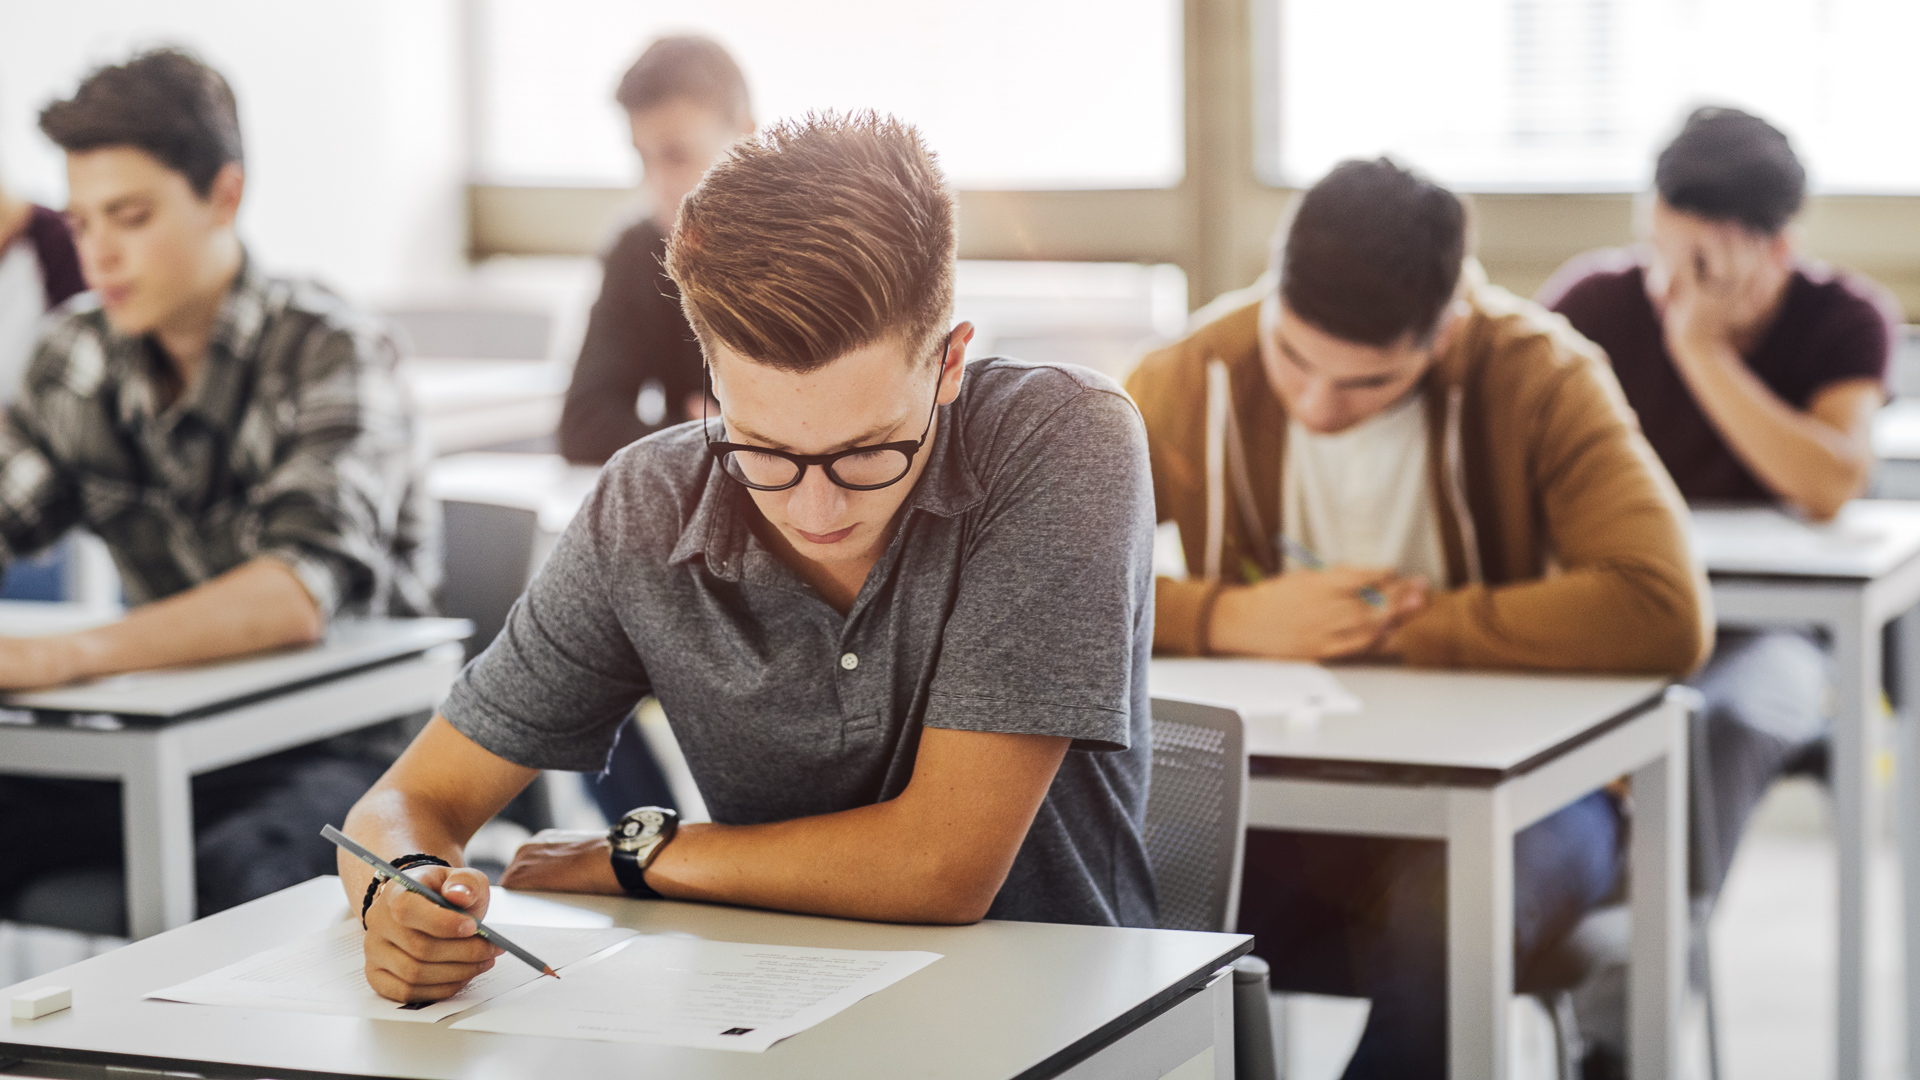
(718, 529)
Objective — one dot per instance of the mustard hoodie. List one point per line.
(1566, 541)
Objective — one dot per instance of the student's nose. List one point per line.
(1318, 406)
(816, 503)
(98, 257)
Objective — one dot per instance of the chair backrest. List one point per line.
(489, 556)
(1196, 831)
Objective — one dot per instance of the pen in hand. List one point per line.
(481, 930)
(1304, 555)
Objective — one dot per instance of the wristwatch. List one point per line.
(637, 839)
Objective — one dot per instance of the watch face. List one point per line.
(637, 827)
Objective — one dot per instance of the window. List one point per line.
(1011, 93)
(1580, 94)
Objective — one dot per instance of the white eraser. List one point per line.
(36, 1003)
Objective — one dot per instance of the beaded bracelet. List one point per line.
(401, 863)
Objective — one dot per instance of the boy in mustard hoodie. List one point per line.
(1468, 467)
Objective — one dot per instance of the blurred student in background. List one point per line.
(241, 443)
(1463, 456)
(639, 367)
(1756, 373)
(39, 269)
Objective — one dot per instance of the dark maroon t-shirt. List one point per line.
(1832, 326)
(53, 248)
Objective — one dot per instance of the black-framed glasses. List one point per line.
(857, 468)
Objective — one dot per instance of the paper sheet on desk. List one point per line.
(714, 995)
(1262, 690)
(325, 972)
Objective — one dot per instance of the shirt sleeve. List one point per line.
(1629, 596)
(1054, 612)
(40, 496)
(553, 687)
(618, 355)
(343, 474)
(1857, 344)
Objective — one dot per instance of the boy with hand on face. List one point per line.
(1756, 372)
(241, 443)
(830, 588)
(1466, 458)
(639, 366)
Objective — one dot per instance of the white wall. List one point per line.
(352, 112)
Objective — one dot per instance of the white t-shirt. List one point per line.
(23, 300)
(1364, 496)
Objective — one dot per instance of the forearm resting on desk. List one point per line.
(1815, 459)
(938, 853)
(256, 606)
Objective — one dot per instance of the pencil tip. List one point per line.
(552, 972)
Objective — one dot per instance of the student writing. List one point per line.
(831, 589)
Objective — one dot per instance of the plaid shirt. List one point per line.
(296, 441)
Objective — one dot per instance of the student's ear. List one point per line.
(228, 185)
(1781, 246)
(1451, 320)
(954, 361)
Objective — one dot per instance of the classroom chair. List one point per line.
(488, 557)
(1196, 838)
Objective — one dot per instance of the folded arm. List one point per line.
(1815, 459)
(1626, 596)
(256, 606)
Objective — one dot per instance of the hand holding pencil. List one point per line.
(425, 943)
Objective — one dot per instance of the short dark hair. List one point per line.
(817, 237)
(165, 102)
(690, 68)
(1730, 165)
(1373, 253)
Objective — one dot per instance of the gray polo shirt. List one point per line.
(1016, 596)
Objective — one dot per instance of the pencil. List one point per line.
(493, 937)
(1304, 555)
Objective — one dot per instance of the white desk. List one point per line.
(466, 404)
(1005, 1000)
(1472, 759)
(1848, 578)
(154, 731)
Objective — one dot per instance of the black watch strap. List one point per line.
(633, 877)
(637, 839)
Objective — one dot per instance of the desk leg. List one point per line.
(1856, 663)
(1907, 773)
(1479, 932)
(156, 807)
(1658, 861)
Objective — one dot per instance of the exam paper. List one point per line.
(716, 995)
(325, 972)
(1262, 690)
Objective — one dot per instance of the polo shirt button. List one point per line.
(849, 661)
